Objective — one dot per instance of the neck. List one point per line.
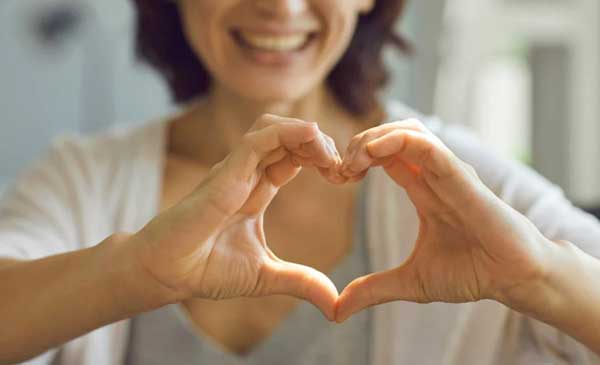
(218, 121)
(245, 111)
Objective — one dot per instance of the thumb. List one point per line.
(397, 284)
(303, 282)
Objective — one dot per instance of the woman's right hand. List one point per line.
(212, 244)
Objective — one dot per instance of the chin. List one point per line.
(273, 91)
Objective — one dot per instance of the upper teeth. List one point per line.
(275, 43)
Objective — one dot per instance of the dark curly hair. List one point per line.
(355, 80)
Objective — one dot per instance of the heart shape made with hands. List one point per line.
(453, 260)
(406, 150)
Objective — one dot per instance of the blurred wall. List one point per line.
(67, 65)
(526, 75)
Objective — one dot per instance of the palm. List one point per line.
(445, 256)
(240, 250)
(240, 253)
(441, 258)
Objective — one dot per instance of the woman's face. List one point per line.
(270, 50)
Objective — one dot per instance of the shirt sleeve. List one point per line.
(41, 212)
(546, 206)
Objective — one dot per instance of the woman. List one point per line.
(190, 196)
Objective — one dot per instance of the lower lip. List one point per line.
(274, 58)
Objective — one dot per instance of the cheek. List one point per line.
(200, 21)
(341, 24)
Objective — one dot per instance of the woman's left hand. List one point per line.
(471, 245)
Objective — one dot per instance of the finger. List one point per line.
(452, 180)
(384, 161)
(273, 157)
(358, 159)
(350, 152)
(302, 161)
(257, 145)
(410, 124)
(354, 163)
(230, 185)
(281, 172)
(415, 148)
(321, 151)
(332, 175)
(276, 175)
(402, 173)
(378, 288)
(267, 120)
(423, 197)
(357, 178)
(322, 154)
(285, 278)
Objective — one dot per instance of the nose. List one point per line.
(281, 8)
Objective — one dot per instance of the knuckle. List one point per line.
(298, 121)
(369, 135)
(397, 132)
(428, 154)
(416, 124)
(249, 144)
(261, 122)
(357, 138)
(364, 138)
(248, 140)
(266, 120)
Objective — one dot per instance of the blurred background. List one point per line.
(523, 74)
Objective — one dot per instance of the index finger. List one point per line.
(416, 148)
(257, 145)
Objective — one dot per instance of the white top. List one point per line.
(86, 188)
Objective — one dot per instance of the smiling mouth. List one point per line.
(273, 43)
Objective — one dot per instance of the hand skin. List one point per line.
(471, 245)
(210, 245)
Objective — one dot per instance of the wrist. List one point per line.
(542, 294)
(132, 286)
